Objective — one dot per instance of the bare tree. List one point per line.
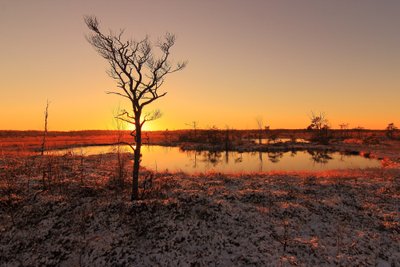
(46, 115)
(227, 139)
(320, 126)
(261, 128)
(390, 130)
(318, 122)
(139, 74)
(344, 129)
(194, 125)
(344, 126)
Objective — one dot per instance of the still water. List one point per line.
(173, 159)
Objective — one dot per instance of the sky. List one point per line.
(276, 60)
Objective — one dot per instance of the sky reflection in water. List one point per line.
(173, 159)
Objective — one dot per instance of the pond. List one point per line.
(162, 158)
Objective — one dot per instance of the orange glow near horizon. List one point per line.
(280, 60)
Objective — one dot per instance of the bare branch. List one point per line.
(155, 97)
(151, 116)
(125, 120)
(116, 93)
(126, 143)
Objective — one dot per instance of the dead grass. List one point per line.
(28, 142)
(77, 216)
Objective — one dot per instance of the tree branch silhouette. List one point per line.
(139, 74)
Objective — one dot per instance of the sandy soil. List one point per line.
(337, 218)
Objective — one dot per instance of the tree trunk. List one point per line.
(46, 115)
(136, 160)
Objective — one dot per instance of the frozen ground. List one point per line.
(346, 218)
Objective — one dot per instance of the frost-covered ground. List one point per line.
(345, 218)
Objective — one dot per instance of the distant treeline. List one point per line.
(34, 133)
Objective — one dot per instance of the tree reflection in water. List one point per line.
(194, 159)
(321, 157)
(239, 158)
(190, 161)
(275, 157)
(260, 159)
(212, 157)
(226, 156)
(215, 159)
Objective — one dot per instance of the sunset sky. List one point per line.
(279, 59)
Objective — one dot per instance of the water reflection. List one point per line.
(173, 159)
(275, 157)
(212, 158)
(239, 157)
(321, 157)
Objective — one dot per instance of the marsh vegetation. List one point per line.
(74, 208)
